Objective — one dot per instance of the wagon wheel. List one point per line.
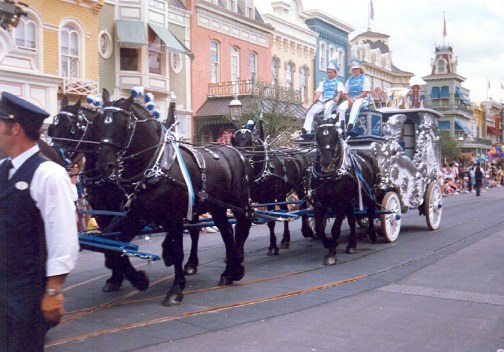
(433, 205)
(391, 223)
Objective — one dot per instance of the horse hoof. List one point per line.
(330, 260)
(139, 280)
(225, 281)
(285, 245)
(190, 269)
(112, 287)
(239, 272)
(372, 237)
(270, 251)
(351, 250)
(173, 298)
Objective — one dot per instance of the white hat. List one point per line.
(332, 66)
(356, 63)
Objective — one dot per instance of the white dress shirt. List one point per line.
(51, 189)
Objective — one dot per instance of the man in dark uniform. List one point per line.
(38, 233)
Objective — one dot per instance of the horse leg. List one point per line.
(306, 229)
(173, 254)
(286, 239)
(330, 258)
(273, 248)
(191, 267)
(234, 245)
(113, 262)
(352, 240)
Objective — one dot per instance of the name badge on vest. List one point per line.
(21, 185)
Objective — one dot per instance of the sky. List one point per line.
(474, 29)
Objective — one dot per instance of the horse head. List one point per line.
(329, 147)
(116, 131)
(71, 130)
(244, 138)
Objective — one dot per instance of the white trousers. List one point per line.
(354, 112)
(317, 107)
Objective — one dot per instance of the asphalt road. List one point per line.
(430, 291)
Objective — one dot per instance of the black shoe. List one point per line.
(303, 131)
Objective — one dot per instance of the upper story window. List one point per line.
(341, 62)
(275, 67)
(129, 59)
(303, 83)
(322, 56)
(156, 56)
(235, 63)
(249, 9)
(253, 66)
(69, 51)
(290, 68)
(332, 53)
(26, 34)
(105, 44)
(214, 62)
(441, 66)
(232, 5)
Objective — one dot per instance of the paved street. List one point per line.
(428, 291)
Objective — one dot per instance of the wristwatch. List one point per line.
(53, 292)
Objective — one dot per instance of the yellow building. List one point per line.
(293, 49)
(52, 51)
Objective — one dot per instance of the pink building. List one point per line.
(231, 46)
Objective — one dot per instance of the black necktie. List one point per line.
(5, 175)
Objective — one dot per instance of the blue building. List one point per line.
(333, 44)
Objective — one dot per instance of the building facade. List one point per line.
(232, 54)
(293, 49)
(390, 85)
(332, 44)
(52, 52)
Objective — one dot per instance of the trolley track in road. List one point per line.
(125, 299)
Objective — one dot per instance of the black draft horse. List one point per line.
(277, 173)
(168, 183)
(72, 133)
(334, 183)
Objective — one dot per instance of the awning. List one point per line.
(444, 125)
(459, 94)
(459, 126)
(131, 34)
(169, 39)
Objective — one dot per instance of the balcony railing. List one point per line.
(78, 86)
(255, 88)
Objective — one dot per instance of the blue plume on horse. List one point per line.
(150, 106)
(137, 91)
(148, 97)
(89, 99)
(156, 114)
(250, 124)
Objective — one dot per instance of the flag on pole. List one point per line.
(502, 85)
(488, 83)
(444, 25)
(371, 10)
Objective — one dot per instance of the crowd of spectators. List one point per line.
(462, 179)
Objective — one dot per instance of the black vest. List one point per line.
(23, 258)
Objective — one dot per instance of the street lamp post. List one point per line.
(235, 109)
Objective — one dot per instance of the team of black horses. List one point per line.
(134, 164)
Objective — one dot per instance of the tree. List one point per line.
(450, 150)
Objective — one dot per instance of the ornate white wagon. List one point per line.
(406, 145)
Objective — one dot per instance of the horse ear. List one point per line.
(170, 119)
(78, 104)
(106, 97)
(130, 100)
(64, 102)
(318, 120)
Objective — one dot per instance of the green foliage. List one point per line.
(450, 149)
